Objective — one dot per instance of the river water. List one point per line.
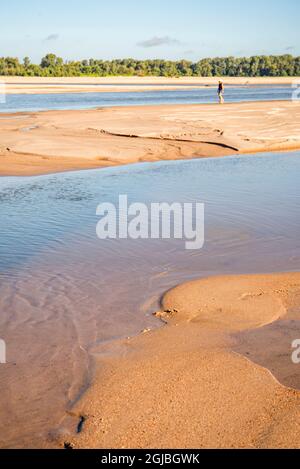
(60, 101)
(63, 291)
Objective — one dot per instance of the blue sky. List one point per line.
(171, 29)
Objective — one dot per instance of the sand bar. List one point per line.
(53, 141)
(41, 85)
(185, 386)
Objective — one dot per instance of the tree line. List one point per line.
(255, 66)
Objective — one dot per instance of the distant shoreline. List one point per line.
(42, 85)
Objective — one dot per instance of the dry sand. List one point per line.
(38, 85)
(53, 141)
(184, 385)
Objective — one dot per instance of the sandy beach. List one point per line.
(53, 141)
(150, 231)
(217, 370)
(40, 85)
(184, 385)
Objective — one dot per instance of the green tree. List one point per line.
(51, 60)
(51, 65)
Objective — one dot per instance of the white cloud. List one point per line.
(159, 41)
(52, 37)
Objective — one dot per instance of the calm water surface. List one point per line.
(39, 102)
(63, 291)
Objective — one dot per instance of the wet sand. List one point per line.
(54, 141)
(185, 386)
(40, 85)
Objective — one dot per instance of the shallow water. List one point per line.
(40, 102)
(63, 291)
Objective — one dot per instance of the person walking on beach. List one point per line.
(221, 90)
